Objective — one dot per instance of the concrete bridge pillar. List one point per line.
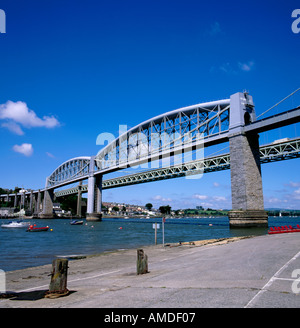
(23, 200)
(246, 182)
(93, 212)
(37, 202)
(48, 205)
(98, 191)
(79, 200)
(31, 202)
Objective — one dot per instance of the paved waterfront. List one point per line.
(252, 272)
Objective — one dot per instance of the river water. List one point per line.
(21, 249)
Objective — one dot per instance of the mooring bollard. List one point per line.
(58, 283)
(142, 262)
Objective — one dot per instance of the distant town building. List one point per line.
(130, 209)
(6, 211)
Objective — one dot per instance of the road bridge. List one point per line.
(273, 152)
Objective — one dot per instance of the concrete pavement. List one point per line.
(252, 272)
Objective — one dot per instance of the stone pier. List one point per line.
(246, 182)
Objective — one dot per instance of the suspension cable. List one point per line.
(279, 102)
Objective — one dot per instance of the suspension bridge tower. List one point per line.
(246, 181)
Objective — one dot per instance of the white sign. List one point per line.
(157, 226)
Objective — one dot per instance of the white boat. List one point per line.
(15, 224)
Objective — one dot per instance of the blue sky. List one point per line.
(71, 70)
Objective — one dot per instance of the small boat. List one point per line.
(76, 222)
(33, 228)
(283, 229)
(15, 224)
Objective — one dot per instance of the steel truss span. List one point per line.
(166, 135)
(276, 151)
(70, 170)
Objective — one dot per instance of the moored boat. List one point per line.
(76, 222)
(33, 228)
(15, 224)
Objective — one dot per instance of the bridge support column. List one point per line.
(79, 200)
(48, 205)
(91, 214)
(246, 182)
(31, 202)
(23, 200)
(37, 206)
(99, 193)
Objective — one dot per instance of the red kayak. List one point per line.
(33, 228)
(283, 229)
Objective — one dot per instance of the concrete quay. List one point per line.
(252, 272)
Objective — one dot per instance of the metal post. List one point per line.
(163, 230)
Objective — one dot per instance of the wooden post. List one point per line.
(58, 283)
(142, 262)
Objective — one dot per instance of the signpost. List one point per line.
(163, 230)
(156, 226)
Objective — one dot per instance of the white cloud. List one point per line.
(227, 68)
(215, 28)
(246, 67)
(50, 155)
(17, 113)
(159, 197)
(293, 184)
(235, 69)
(201, 197)
(13, 127)
(219, 198)
(25, 149)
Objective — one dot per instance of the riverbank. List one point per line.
(246, 272)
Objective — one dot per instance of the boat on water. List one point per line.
(15, 224)
(33, 228)
(76, 222)
(283, 229)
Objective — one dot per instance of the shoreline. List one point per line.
(33, 257)
(195, 243)
(227, 272)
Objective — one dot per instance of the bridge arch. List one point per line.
(73, 168)
(165, 134)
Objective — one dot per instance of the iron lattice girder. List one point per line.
(279, 150)
(69, 170)
(168, 133)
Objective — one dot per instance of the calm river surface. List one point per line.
(21, 249)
